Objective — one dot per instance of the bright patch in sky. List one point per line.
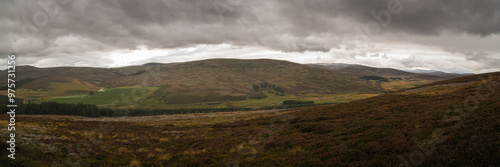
(405, 57)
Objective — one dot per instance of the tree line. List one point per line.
(91, 110)
(53, 108)
(278, 90)
(295, 102)
(376, 78)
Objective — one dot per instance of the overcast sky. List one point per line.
(446, 35)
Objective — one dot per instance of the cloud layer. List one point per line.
(45, 30)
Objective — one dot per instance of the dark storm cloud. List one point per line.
(432, 16)
(295, 25)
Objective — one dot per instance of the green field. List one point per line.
(119, 96)
(68, 99)
(270, 100)
(140, 97)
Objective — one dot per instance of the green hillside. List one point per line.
(119, 96)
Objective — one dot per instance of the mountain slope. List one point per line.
(193, 82)
(365, 70)
(360, 70)
(236, 77)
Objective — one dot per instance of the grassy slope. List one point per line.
(394, 85)
(408, 80)
(56, 89)
(119, 96)
(68, 99)
(370, 132)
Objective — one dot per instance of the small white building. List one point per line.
(100, 90)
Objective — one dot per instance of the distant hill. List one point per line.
(213, 80)
(360, 70)
(193, 82)
(331, 66)
(442, 74)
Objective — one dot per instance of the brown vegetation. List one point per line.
(457, 127)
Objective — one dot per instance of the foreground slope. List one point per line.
(447, 123)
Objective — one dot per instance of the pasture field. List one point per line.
(68, 99)
(140, 97)
(117, 96)
(270, 100)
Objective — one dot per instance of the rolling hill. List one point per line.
(207, 82)
(447, 123)
(361, 70)
(190, 82)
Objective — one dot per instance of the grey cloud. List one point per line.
(174, 23)
(412, 61)
(471, 55)
(476, 56)
(486, 60)
(430, 17)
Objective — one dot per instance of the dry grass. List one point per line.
(194, 119)
(394, 85)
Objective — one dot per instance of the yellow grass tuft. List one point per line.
(162, 139)
(135, 162)
(165, 157)
(295, 150)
